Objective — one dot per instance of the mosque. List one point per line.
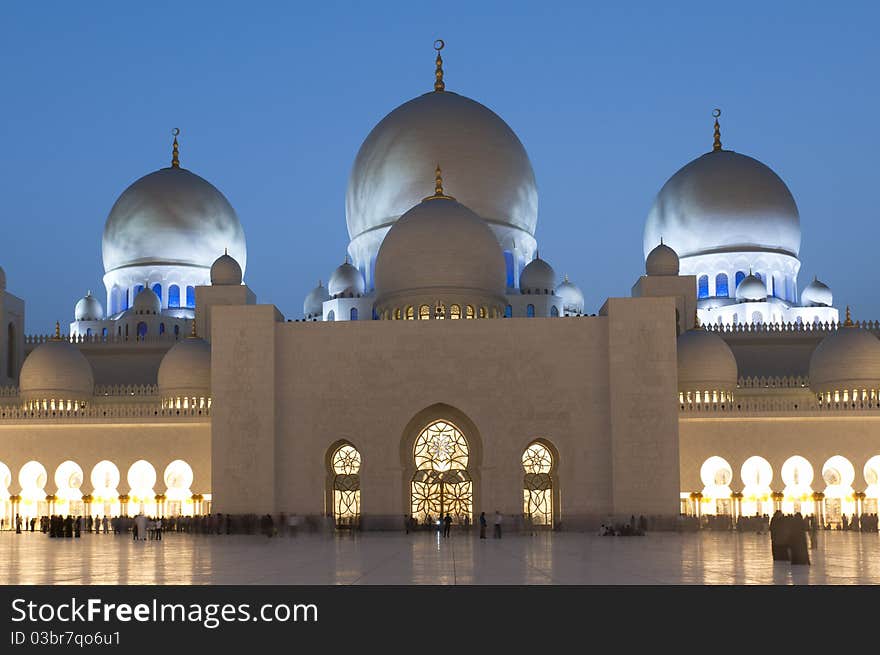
(446, 367)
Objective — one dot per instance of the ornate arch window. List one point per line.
(397, 313)
(537, 460)
(424, 313)
(454, 312)
(410, 313)
(469, 311)
(483, 313)
(721, 288)
(530, 311)
(441, 484)
(703, 286)
(440, 311)
(174, 296)
(345, 467)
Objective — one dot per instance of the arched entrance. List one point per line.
(538, 489)
(345, 484)
(441, 483)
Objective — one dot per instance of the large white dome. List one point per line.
(724, 202)
(171, 217)
(482, 159)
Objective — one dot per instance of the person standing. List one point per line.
(800, 554)
(482, 525)
(406, 522)
(447, 525)
(497, 524)
(779, 538)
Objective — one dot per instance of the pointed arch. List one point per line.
(425, 425)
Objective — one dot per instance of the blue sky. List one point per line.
(274, 99)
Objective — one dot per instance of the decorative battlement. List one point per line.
(788, 405)
(168, 337)
(153, 410)
(787, 328)
(761, 382)
(117, 390)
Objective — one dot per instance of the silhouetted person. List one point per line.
(779, 538)
(406, 523)
(447, 525)
(482, 525)
(800, 554)
(497, 524)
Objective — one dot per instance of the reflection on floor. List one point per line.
(380, 558)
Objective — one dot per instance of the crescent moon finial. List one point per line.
(439, 84)
(717, 144)
(175, 155)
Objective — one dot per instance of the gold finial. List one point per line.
(848, 322)
(438, 187)
(175, 155)
(57, 331)
(192, 333)
(717, 144)
(439, 85)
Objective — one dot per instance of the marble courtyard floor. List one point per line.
(386, 558)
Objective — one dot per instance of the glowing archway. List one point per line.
(441, 484)
(839, 475)
(5, 504)
(756, 474)
(32, 477)
(178, 479)
(141, 480)
(538, 463)
(105, 497)
(797, 474)
(345, 484)
(716, 476)
(872, 478)
(68, 480)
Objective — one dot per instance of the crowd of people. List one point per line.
(760, 523)
(788, 538)
(631, 529)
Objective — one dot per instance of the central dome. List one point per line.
(440, 244)
(724, 202)
(171, 216)
(485, 164)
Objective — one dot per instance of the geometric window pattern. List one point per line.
(441, 484)
(346, 484)
(537, 484)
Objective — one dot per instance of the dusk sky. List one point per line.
(274, 99)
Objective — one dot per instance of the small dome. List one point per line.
(662, 260)
(313, 305)
(185, 370)
(705, 362)
(225, 271)
(88, 309)
(56, 369)
(817, 294)
(537, 277)
(146, 302)
(847, 359)
(751, 289)
(346, 281)
(441, 244)
(572, 297)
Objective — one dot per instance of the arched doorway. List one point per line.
(756, 474)
(797, 474)
(178, 478)
(441, 483)
(345, 485)
(716, 475)
(538, 490)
